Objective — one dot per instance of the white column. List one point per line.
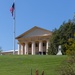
(33, 48)
(47, 45)
(19, 49)
(40, 46)
(26, 48)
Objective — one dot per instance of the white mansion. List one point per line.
(34, 41)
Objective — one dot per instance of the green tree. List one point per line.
(68, 66)
(60, 37)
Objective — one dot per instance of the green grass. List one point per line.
(21, 65)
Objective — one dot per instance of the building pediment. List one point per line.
(35, 31)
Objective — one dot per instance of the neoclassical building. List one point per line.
(34, 41)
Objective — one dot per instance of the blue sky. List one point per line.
(48, 14)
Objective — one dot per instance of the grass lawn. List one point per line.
(21, 65)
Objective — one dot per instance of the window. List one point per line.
(36, 44)
(44, 44)
(29, 45)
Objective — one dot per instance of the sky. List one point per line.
(47, 14)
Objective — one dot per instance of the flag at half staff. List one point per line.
(12, 9)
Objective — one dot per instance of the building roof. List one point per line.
(35, 31)
(9, 51)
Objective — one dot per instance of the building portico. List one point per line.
(34, 45)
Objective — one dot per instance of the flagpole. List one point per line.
(14, 29)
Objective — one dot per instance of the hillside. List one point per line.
(22, 65)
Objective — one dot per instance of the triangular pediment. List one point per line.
(35, 31)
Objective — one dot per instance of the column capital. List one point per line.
(22, 44)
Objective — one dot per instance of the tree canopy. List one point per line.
(60, 37)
